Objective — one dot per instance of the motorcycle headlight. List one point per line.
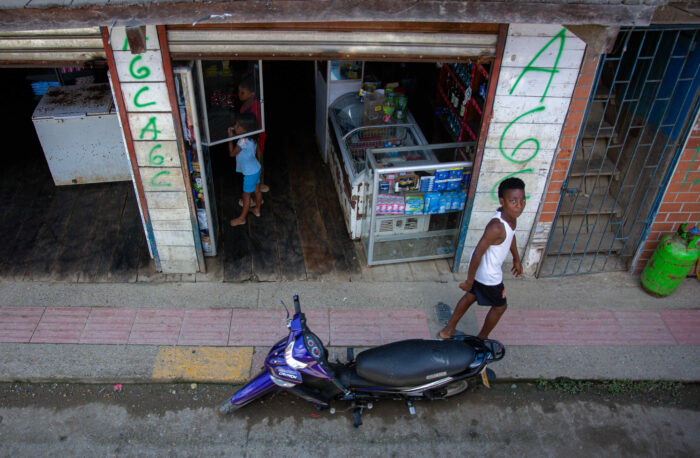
(289, 359)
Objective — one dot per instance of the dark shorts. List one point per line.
(489, 295)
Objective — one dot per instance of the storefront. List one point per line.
(473, 102)
(440, 80)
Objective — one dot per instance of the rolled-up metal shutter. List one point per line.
(309, 44)
(37, 47)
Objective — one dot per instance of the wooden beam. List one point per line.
(332, 11)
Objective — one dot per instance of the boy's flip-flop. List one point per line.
(443, 313)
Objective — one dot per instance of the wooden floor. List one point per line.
(87, 233)
(93, 233)
(300, 234)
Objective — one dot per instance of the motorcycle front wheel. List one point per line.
(228, 407)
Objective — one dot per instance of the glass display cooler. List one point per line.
(417, 198)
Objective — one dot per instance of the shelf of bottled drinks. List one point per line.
(461, 95)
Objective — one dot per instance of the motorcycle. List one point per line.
(405, 370)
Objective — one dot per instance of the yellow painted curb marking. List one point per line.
(203, 364)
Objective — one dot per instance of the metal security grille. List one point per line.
(644, 98)
(51, 47)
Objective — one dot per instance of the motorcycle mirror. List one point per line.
(285, 309)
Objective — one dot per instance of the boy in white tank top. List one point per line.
(484, 283)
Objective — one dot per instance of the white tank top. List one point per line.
(490, 271)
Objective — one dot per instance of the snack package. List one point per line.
(414, 204)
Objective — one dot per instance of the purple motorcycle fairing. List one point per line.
(260, 385)
(276, 366)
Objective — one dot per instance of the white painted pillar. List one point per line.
(537, 78)
(151, 124)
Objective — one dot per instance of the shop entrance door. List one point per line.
(642, 104)
(207, 113)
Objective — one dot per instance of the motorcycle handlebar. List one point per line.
(297, 306)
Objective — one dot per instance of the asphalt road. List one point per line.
(508, 420)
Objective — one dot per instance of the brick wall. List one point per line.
(562, 160)
(681, 201)
(572, 125)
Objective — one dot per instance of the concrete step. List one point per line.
(594, 166)
(592, 205)
(579, 243)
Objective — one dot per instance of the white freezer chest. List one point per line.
(80, 134)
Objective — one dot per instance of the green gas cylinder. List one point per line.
(671, 262)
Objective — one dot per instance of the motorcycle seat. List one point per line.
(414, 362)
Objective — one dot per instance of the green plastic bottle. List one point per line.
(671, 262)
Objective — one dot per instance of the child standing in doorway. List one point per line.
(247, 94)
(247, 164)
(484, 283)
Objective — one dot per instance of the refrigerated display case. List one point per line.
(416, 201)
(333, 79)
(199, 163)
(352, 138)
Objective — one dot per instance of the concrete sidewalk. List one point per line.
(587, 327)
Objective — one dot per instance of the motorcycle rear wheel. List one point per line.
(455, 388)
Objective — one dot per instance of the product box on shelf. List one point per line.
(414, 203)
(453, 184)
(466, 178)
(456, 200)
(456, 172)
(432, 202)
(442, 174)
(440, 185)
(427, 183)
(407, 182)
(390, 204)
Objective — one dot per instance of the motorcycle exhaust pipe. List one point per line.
(306, 394)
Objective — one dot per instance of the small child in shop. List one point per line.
(250, 104)
(247, 164)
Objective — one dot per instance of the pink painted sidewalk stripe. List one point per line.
(61, 325)
(587, 329)
(17, 324)
(684, 325)
(205, 327)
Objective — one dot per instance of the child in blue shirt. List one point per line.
(247, 164)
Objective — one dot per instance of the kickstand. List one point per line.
(357, 417)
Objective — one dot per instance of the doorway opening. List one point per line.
(644, 98)
(60, 224)
(303, 231)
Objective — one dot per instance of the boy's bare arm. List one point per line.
(517, 268)
(494, 234)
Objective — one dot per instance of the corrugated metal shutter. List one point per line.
(35, 47)
(329, 45)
